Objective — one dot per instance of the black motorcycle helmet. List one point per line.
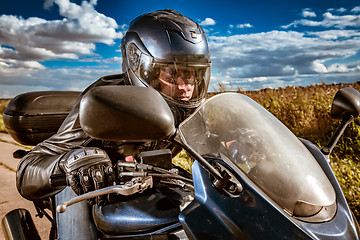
(169, 52)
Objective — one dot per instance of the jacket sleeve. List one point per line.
(35, 169)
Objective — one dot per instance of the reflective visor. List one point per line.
(182, 82)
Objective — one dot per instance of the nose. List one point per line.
(182, 88)
(181, 83)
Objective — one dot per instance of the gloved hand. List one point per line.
(88, 169)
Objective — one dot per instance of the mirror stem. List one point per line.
(346, 119)
(220, 179)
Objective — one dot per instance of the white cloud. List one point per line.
(340, 22)
(31, 65)
(329, 20)
(335, 34)
(26, 42)
(338, 68)
(341, 10)
(18, 69)
(318, 66)
(116, 60)
(265, 58)
(244, 25)
(208, 22)
(356, 9)
(307, 12)
(76, 79)
(257, 79)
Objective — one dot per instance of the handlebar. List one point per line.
(142, 179)
(58, 180)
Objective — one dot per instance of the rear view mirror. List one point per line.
(346, 102)
(345, 107)
(126, 113)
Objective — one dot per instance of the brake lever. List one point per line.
(127, 189)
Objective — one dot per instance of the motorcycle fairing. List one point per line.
(253, 215)
(214, 215)
(343, 225)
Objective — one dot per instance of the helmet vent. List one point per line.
(193, 34)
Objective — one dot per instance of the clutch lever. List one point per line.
(129, 188)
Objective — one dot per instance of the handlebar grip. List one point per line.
(58, 180)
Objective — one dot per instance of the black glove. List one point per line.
(88, 169)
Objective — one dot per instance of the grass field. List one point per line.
(306, 112)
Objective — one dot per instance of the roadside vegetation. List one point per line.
(306, 112)
(3, 104)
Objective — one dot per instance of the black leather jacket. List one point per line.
(34, 170)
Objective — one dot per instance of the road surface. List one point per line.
(9, 196)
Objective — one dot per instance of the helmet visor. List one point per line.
(183, 82)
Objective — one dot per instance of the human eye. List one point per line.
(171, 80)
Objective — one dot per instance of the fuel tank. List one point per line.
(142, 213)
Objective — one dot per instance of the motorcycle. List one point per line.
(252, 178)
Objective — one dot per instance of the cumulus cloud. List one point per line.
(208, 22)
(341, 10)
(266, 59)
(335, 34)
(330, 20)
(73, 79)
(356, 9)
(257, 79)
(261, 58)
(27, 42)
(307, 12)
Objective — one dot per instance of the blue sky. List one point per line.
(67, 45)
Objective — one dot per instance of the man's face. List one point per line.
(179, 85)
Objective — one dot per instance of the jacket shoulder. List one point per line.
(118, 79)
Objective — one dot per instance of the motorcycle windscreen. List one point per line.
(262, 147)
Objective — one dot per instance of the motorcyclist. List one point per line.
(162, 49)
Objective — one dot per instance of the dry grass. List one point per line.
(3, 104)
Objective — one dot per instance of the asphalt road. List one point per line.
(9, 197)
